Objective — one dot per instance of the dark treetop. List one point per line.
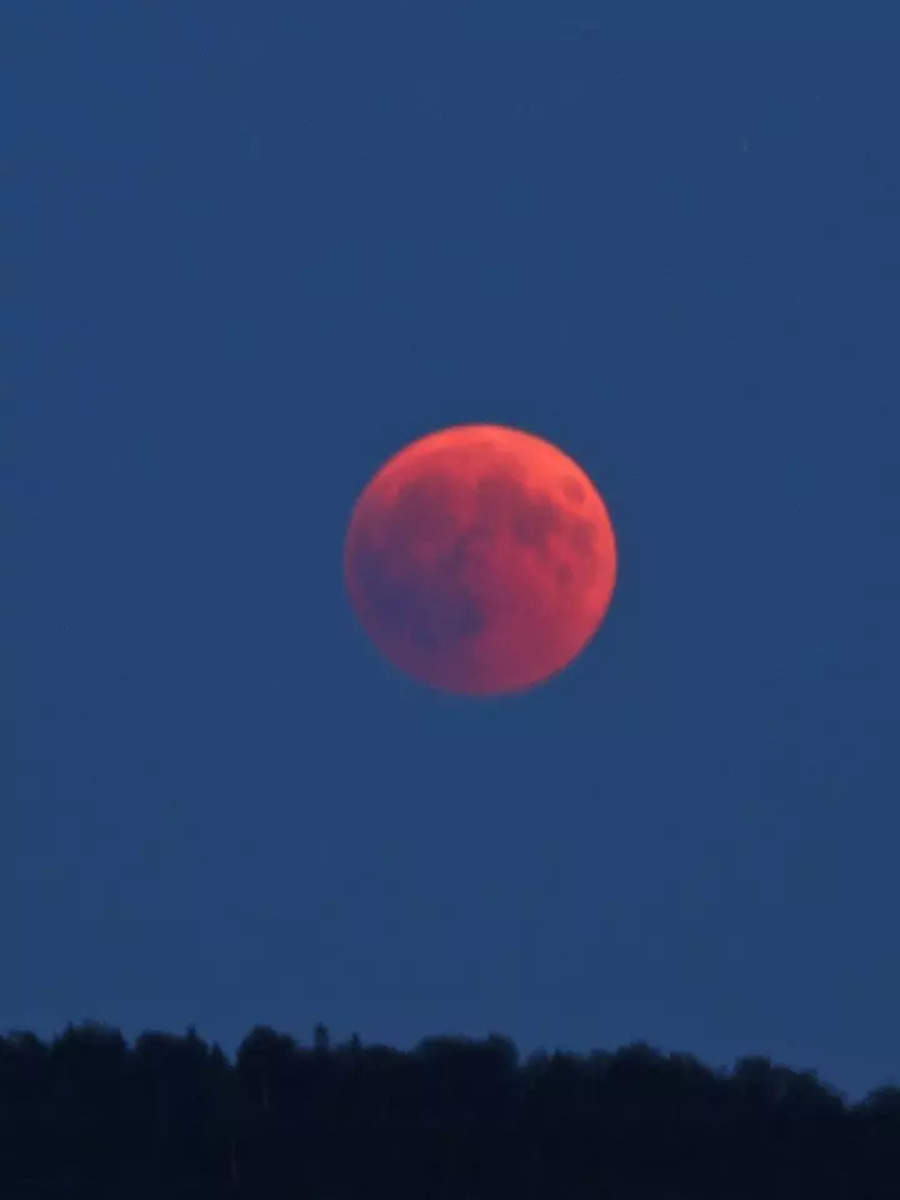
(90, 1116)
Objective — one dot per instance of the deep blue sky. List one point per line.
(255, 249)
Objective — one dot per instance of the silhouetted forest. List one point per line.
(90, 1115)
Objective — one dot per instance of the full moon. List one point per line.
(480, 559)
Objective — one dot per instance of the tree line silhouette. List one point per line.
(88, 1115)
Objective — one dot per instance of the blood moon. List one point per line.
(480, 559)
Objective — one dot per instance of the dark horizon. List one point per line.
(322, 1034)
(169, 1115)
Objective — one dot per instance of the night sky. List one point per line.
(252, 250)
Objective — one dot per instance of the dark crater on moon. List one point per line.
(430, 523)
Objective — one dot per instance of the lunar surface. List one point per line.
(480, 559)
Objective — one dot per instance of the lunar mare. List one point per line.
(480, 559)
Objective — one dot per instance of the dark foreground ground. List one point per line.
(92, 1116)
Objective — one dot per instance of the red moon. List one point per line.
(480, 559)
